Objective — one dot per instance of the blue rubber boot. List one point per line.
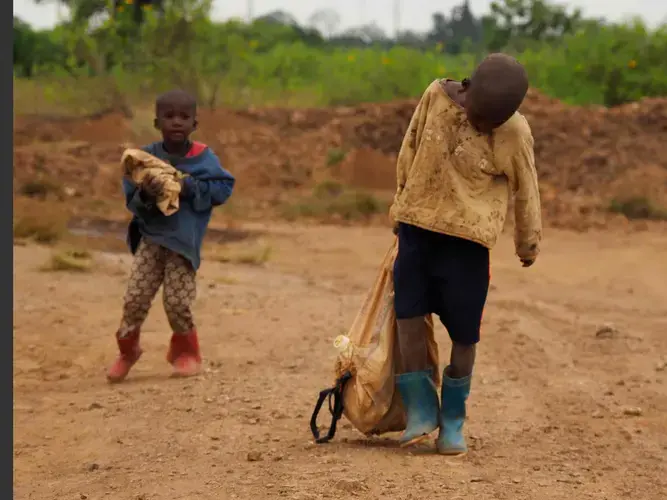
(452, 415)
(420, 400)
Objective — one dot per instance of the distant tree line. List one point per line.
(509, 24)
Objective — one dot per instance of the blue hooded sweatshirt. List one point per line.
(207, 186)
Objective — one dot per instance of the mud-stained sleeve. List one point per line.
(411, 142)
(527, 210)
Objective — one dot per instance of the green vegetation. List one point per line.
(72, 260)
(638, 208)
(254, 254)
(46, 228)
(335, 156)
(124, 54)
(331, 200)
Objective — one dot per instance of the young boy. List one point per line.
(167, 248)
(465, 149)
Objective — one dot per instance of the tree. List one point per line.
(457, 31)
(36, 50)
(367, 34)
(410, 39)
(281, 27)
(278, 17)
(83, 10)
(514, 21)
(326, 21)
(464, 26)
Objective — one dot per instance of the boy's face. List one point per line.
(176, 121)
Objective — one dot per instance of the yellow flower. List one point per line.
(147, 6)
(632, 64)
(121, 8)
(129, 2)
(350, 58)
(254, 44)
(385, 60)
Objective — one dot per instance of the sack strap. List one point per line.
(335, 408)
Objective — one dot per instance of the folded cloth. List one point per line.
(141, 168)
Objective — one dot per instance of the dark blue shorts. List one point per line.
(444, 275)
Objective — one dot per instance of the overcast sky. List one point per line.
(415, 14)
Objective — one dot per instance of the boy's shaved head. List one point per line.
(495, 91)
(176, 117)
(178, 98)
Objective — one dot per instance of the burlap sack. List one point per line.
(371, 402)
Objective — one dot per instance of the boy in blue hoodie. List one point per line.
(167, 249)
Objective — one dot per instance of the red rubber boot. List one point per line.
(184, 354)
(130, 352)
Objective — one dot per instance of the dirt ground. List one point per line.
(562, 407)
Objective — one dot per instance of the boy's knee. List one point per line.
(136, 303)
(412, 327)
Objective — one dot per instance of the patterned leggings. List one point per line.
(154, 266)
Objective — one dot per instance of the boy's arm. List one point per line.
(411, 142)
(527, 210)
(205, 194)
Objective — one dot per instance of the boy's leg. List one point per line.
(415, 383)
(179, 293)
(411, 298)
(463, 282)
(462, 360)
(145, 279)
(412, 344)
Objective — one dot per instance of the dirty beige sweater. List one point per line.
(141, 167)
(452, 180)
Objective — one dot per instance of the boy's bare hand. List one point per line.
(151, 186)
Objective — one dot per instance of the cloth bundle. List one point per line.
(141, 168)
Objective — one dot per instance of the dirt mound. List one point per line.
(67, 168)
(586, 157)
(367, 168)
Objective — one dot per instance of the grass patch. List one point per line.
(46, 227)
(226, 280)
(77, 261)
(638, 208)
(331, 199)
(108, 243)
(328, 189)
(335, 156)
(41, 188)
(252, 255)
